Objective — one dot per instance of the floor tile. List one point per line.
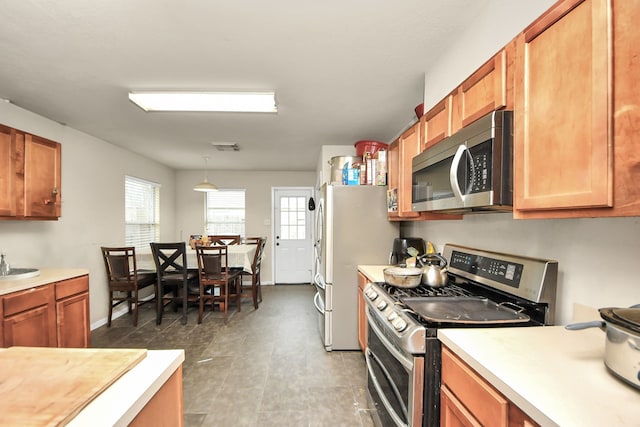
(264, 367)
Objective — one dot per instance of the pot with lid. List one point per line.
(622, 345)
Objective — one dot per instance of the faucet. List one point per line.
(4, 267)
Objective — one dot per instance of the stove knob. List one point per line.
(382, 305)
(372, 294)
(400, 325)
(393, 316)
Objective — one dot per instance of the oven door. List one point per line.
(395, 380)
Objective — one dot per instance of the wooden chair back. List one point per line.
(224, 240)
(218, 283)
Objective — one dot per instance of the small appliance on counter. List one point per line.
(401, 245)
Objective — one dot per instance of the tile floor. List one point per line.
(265, 367)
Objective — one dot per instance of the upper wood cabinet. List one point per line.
(7, 172)
(563, 139)
(489, 88)
(577, 115)
(30, 176)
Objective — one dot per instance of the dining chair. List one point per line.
(224, 239)
(255, 286)
(125, 280)
(172, 273)
(217, 282)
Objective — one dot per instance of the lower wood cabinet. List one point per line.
(466, 399)
(72, 312)
(362, 312)
(51, 315)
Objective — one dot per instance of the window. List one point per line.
(293, 211)
(142, 212)
(225, 212)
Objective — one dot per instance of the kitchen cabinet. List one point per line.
(7, 173)
(30, 178)
(29, 318)
(362, 312)
(489, 88)
(594, 123)
(400, 156)
(469, 400)
(563, 152)
(72, 312)
(51, 315)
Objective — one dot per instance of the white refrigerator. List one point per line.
(351, 229)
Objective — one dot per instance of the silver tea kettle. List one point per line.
(434, 270)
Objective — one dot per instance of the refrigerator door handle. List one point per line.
(317, 302)
(319, 283)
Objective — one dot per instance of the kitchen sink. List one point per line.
(21, 273)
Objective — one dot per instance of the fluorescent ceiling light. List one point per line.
(252, 102)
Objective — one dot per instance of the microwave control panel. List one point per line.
(479, 168)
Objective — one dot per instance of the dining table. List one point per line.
(238, 256)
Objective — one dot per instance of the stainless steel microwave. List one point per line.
(470, 171)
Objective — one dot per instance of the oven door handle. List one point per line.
(404, 360)
(371, 358)
(453, 172)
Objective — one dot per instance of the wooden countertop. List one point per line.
(47, 275)
(556, 376)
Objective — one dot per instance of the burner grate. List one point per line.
(425, 291)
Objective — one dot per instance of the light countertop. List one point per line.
(124, 399)
(556, 376)
(47, 275)
(373, 272)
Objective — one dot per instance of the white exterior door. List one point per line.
(293, 240)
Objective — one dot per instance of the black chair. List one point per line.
(217, 282)
(172, 273)
(125, 280)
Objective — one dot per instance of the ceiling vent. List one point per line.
(226, 146)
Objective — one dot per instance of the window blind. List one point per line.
(142, 212)
(225, 212)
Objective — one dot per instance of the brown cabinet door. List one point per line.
(563, 133)
(362, 312)
(30, 318)
(42, 177)
(409, 146)
(73, 321)
(72, 312)
(484, 91)
(7, 172)
(437, 123)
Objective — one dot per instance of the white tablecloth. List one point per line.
(238, 256)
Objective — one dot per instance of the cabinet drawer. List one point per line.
(70, 287)
(24, 300)
(487, 405)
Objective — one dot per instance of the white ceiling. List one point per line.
(343, 70)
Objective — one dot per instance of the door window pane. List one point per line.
(292, 217)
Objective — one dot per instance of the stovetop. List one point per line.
(523, 286)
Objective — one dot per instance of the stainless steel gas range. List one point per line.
(403, 355)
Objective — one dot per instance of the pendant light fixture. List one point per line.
(205, 185)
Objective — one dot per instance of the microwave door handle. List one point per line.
(453, 172)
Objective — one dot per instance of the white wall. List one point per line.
(597, 257)
(92, 205)
(190, 216)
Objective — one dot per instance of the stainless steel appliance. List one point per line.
(351, 229)
(470, 171)
(403, 356)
